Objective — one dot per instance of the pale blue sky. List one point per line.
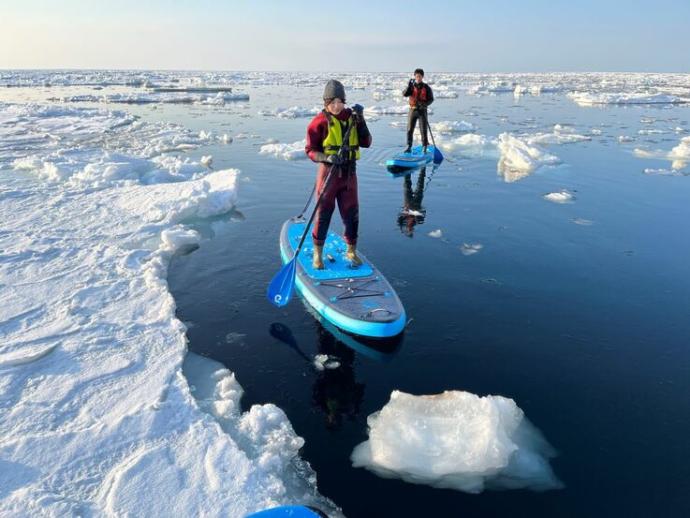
(462, 36)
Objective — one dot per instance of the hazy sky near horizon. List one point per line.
(489, 36)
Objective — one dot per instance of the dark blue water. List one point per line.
(586, 327)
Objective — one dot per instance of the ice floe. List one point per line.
(592, 98)
(519, 159)
(294, 151)
(562, 196)
(292, 112)
(457, 440)
(452, 127)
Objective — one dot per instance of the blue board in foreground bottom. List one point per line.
(357, 300)
(289, 511)
(415, 158)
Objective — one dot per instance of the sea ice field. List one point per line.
(544, 369)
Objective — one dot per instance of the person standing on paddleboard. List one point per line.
(420, 97)
(324, 140)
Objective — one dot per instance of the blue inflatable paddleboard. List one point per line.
(358, 300)
(289, 511)
(415, 158)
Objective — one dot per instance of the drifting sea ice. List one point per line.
(292, 112)
(679, 155)
(452, 127)
(518, 159)
(592, 99)
(294, 151)
(559, 197)
(456, 440)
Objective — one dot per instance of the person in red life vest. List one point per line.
(324, 140)
(420, 97)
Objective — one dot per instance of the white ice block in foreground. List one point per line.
(456, 440)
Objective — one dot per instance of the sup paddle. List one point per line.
(438, 156)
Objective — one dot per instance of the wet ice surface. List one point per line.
(456, 440)
(575, 311)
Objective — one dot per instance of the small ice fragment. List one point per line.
(562, 196)
(436, 233)
(206, 160)
(471, 248)
(583, 222)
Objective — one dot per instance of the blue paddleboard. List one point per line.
(289, 511)
(358, 300)
(415, 158)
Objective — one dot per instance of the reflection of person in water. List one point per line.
(412, 212)
(335, 391)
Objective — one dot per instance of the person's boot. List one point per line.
(352, 256)
(317, 259)
(424, 150)
(408, 149)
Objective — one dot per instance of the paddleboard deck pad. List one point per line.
(415, 158)
(358, 300)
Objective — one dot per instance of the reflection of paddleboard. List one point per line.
(289, 511)
(358, 300)
(415, 158)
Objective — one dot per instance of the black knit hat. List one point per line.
(334, 89)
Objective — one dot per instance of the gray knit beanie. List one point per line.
(334, 89)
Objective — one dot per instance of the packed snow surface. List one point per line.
(96, 416)
(456, 440)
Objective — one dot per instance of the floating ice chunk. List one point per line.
(294, 151)
(470, 145)
(180, 238)
(625, 138)
(206, 160)
(436, 233)
(452, 127)
(324, 361)
(456, 440)
(519, 159)
(292, 112)
(470, 248)
(400, 109)
(596, 131)
(556, 138)
(591, 99)
(559, 197)
(583, 222)
(679, 155)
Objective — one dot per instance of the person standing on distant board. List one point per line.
(324, 140)
(420, 97)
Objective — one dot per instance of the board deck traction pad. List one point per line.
(356, 299)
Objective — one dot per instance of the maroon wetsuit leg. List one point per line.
(323, 214)
(348, 205)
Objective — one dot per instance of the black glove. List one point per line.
(412, 81)
(358, 109)
(334, 160)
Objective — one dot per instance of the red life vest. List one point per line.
(419, 94)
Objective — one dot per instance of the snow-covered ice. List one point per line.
(436, 233)
(95, 409)
(456, 440)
